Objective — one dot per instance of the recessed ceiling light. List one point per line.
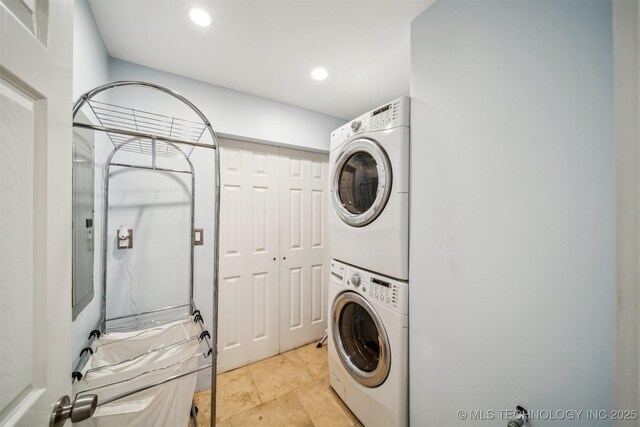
(319, 74)
(200, 17)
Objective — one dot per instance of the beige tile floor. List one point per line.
(290, 389)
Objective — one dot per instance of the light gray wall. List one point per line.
(90, 57)
(156, 205)
(90, 69)
(233, 114)
(627, 66)
(512, 210)
(240, 115)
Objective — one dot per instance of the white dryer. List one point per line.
(369, 167)
(369, 344)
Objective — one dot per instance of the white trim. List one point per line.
(626, 44)
(272, 143)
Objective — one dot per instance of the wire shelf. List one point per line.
(161, 126)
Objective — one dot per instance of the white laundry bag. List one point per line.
(106, 374)
(118, 346)
(166, 405)
(127, 361)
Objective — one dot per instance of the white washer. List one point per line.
(369, 164)
(369, 344)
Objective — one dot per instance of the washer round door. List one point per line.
(361, 182)
(360, 339)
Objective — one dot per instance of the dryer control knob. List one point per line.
(355, 125)
(355, 279)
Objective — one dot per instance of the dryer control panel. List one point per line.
(378, 289)
(391, 115)
(337, 273)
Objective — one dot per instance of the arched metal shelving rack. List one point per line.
(155, 135)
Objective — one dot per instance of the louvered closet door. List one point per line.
(304, 271)
(248, 304)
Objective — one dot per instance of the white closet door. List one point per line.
(36, 39)
(248, 304)
(304, 253)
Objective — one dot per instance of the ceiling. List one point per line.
(268, 48)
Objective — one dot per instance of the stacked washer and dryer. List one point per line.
(368, 289)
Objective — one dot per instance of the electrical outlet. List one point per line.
(127, 242)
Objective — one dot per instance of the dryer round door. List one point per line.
(360, 339)
(361, 182)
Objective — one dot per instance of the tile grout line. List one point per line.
(306, 365)
(230, 418)
(255, 386)
(291, 359)
(315, 380)
(253, 381)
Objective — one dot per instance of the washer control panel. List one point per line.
(355, 279)
(375, 288)
(391, 115)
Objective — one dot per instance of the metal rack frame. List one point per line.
(105, 214)
(155, 135)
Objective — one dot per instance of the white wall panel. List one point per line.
(512, 210)
(259, 214)
(231, 162)
(260, 305)
(17, 285)
(35, 208)
(317, 218)
(230, 311)
(318, 171)
(230, 241)
(317, 300)
(259, 164)
(295, 218)
(626, 37)
(295, 168)
(303, 249)
(154, 273)
(250, 251)
(295, 298)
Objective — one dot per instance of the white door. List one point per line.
(249, 254)
(304, 254)
(35, 208)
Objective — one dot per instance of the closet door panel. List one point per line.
(304, 255)
(249, 322)
(35, 208)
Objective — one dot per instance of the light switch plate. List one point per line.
(198, 236)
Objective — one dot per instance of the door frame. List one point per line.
(626, 45)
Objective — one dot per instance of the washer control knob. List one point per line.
(355, 279)
(355, 125)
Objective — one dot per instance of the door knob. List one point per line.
(81, 409)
